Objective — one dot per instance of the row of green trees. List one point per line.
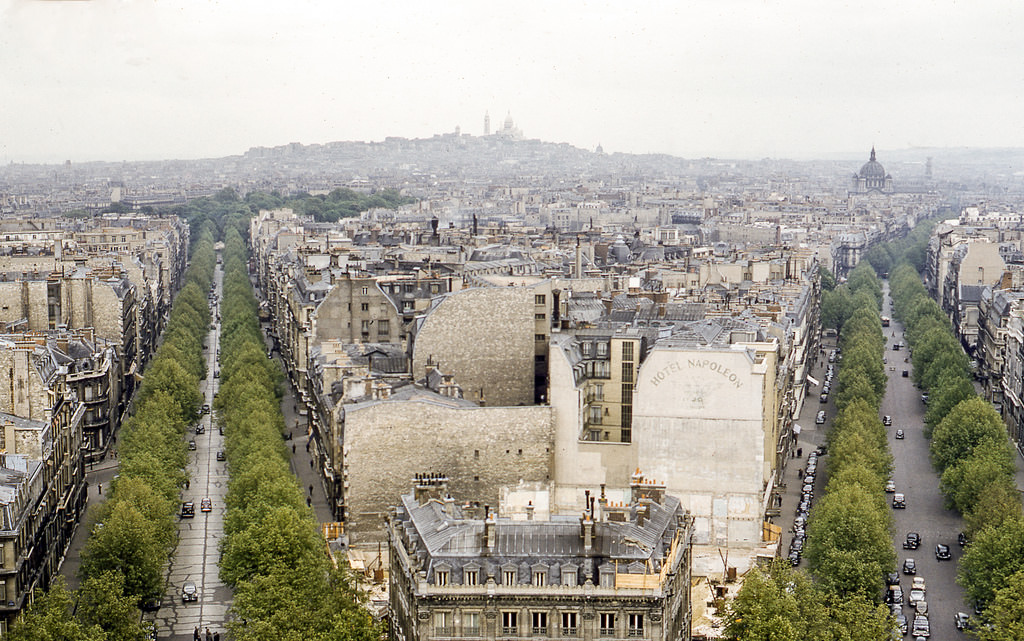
(273, 553)
(133, 533)
(849, 540)
(339, 203)
(971, 452)
(849, 532)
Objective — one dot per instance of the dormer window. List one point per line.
(539, 575)
(443, 574)
(569, 577)
(508, 575)
(471, 576)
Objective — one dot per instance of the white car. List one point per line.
(918, 584)
(890, 486)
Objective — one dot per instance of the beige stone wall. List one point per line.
(699, 427)
(485, 337)
(480, 449)
(21, 390)
(340, 316)
(581, 465)
(24, 299)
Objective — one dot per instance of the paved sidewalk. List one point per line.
(97, 479)
(303, 465)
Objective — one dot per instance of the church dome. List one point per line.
(872, 168)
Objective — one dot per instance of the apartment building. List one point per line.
(619, 569)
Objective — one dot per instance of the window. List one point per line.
(635, 625)
(607, 577)
(539, 337)
(471, 577)
(569, 575)
(365, 326)
(595, 415)
(539, 299)
(508, 577)
(434, 288)
(606, 624)
(510, 623)
(586, 348)
(627, 393)
(627, 372)
(443, 624)
(599, 392)
(602, 350)
(539, 316)
(540, 576)
(627, 351)
(539, 623)
(570, 623)
(366, 290)
(441, 577)
(470, 624)
(383, 327)
(540, 358)
(593, 435)
(364, 307)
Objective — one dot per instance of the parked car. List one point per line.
(899, 501)
(220, 455)
(961, 620)
(913, 541)
(921, 627)
(823, 398)
(893, 578)
(899, 434)
(909, 566)
(942, 552)
(906, 373)
(188, 510)
(894, 595)
(886, 420)
(200, 429)
(189, 592)
(901, 623)
(890, 486)
(820, 418)
(192, 444)
(924, 398)
(961, 539)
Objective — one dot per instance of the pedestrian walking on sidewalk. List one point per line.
(209, 637)
(293, 448)
(309, 501)
(216, 636)
(311, 489)
(195, 634)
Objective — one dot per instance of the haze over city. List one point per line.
(144, 80)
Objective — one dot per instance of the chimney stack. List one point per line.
(490, 529)
(588, 533)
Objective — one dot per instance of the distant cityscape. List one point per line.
(556, 375)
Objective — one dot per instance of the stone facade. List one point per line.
(480, 449)
(616, 572)
(42, 471)
(487, 338)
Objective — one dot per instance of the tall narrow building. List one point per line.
(487, 123)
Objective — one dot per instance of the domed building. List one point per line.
(872, 177)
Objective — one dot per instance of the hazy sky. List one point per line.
(129, 80)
